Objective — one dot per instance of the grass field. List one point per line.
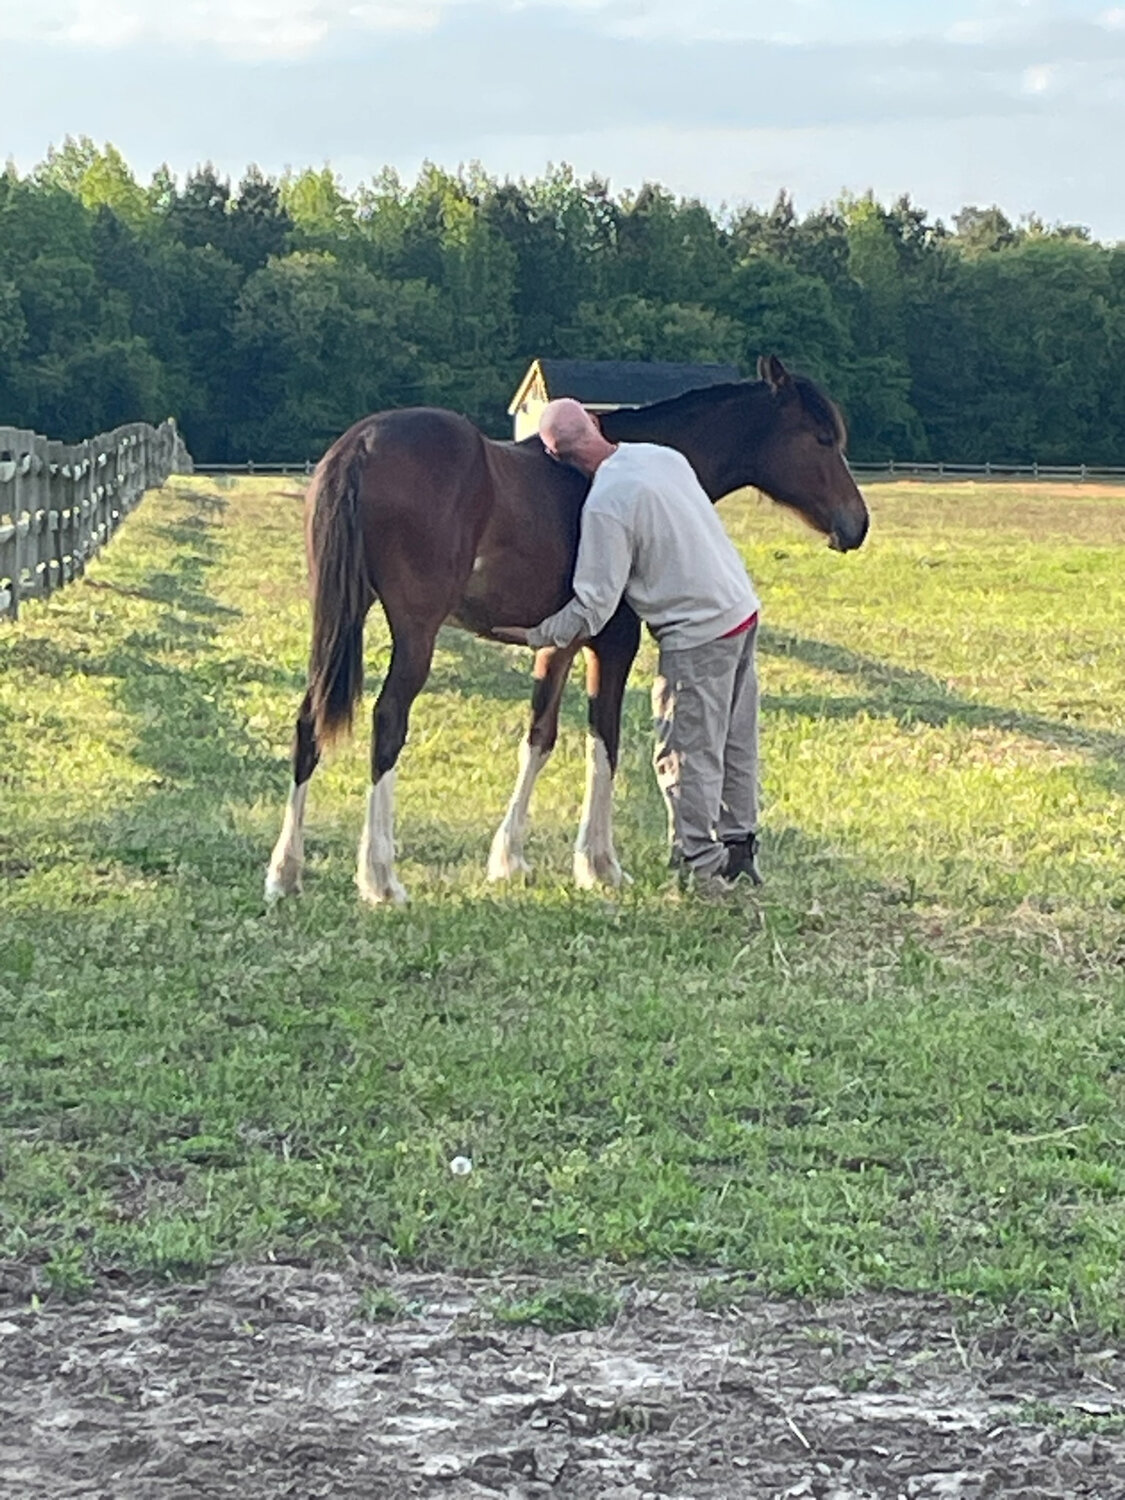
(903, 1065)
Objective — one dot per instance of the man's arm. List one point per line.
(601, 571)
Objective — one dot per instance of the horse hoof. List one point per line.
(386, 891)
(593, 870)
(507, 866)
(280, 883)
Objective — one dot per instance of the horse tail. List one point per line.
(341, 593)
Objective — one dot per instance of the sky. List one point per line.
(1015, 102)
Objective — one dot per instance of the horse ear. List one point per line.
(773, 372)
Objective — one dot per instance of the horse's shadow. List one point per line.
(467, 666)
(913, 697)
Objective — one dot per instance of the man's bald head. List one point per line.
(570, 434)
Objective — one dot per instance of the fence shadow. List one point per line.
(170, 680)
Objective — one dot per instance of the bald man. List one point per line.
(650, 535)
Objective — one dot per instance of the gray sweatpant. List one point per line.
(705, 706)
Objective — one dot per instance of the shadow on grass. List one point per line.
(473, 667)
(172, 681)
(913, 697)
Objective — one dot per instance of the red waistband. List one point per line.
(747, 624)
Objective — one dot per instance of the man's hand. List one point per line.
(515, 635)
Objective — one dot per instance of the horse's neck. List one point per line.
(701, 432)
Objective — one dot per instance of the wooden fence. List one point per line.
(59, 503)
(897, 469)
(890, 469)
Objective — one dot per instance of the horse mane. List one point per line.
(820, 406)
(816, 402)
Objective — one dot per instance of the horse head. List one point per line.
(780, 434)
(799, 456)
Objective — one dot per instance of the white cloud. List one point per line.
(1113, 20)
(266, 28)
(975, 30)
(1037, 79)
(240, 28)
(457, 79)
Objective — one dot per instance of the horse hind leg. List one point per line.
(283, 876)
(506, 856)
(411, 656)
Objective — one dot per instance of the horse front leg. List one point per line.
(283, 877)
(608, 660)
(506, 856)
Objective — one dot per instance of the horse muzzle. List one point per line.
(846, 537)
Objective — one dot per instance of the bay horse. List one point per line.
(418, 509)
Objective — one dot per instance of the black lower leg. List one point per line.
(410, 666)
(551, 668)
(306, 751)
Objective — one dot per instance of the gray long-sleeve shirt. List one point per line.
(650, 534)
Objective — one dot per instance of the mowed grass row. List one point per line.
(903, 1065)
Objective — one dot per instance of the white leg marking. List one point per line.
(283, 877)
(505, 858)
(375, 873)
(595, 862)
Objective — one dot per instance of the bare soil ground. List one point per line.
(265, 1383)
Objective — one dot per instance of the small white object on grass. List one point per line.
(461, 1166)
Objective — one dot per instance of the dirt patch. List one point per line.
(265, 1383)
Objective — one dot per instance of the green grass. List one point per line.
(563, 1308)
(902, 1066)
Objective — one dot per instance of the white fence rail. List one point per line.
(60, 503)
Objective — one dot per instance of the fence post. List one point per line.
(65, 493)
(9, 531)
(53, 552)
(41, 518)
(24, 457)
(83, 504)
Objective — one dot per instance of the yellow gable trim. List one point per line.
(522, 391)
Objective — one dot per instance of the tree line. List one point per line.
(268, 316)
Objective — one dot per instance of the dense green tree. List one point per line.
(197, 216)
(315, 204)
(669, 250)
(980, 230)
(257, 226)
(319, 342)
(13, 337)
(97, 178)
(635, 328)
(782, 310)
(195, 342)
(98, 385)
(269, 318)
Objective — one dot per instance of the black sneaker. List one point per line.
(742, 859)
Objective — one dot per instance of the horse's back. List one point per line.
(418, 436)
